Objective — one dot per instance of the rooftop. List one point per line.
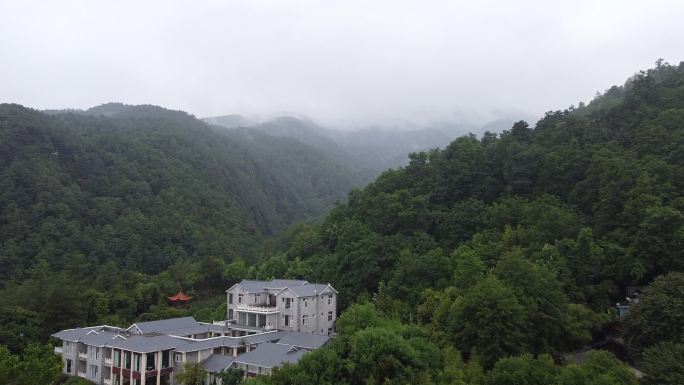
(165, 325)
(269, 355)
(304, 340)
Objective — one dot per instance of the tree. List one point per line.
(381, 354)
(663, 364)
(541, 295)
(231, 376)
(523, 369)
(8, 366)
(37, 365)
(192, 374)
(488, 321)
(659, 315)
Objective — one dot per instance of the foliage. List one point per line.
(192, 374)
(659, 316)
(37, 365)
(231, 376)
(663, 364)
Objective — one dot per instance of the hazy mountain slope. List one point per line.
(368, 151)
(143, 186)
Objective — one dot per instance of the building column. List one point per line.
(160, 356)
(143, 368)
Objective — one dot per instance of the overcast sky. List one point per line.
(341, 62)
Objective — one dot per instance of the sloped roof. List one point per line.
(180, 297)
(310, 290)
(216, 363)
(77, 334)
(281, 283)
(304, 340)
(269, 355)
(250, 286)
(166, 325)
(146, 343)
(210, 343)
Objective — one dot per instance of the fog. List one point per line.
(342, 63)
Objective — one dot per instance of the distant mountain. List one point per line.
(143, 187)
(230, 121)
(368, 151)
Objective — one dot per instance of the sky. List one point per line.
(342, 63)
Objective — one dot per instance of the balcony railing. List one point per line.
(83, 356)
(108, 361)
(81, 374)
(108, 381)
(59, 350)
(261, 309)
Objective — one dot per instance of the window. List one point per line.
(288, 302)
(330, 316)
(256, 298)
(321, 315)
(136, 361)
(117, 358)
(305, 319)
(306, 303)
(93, 372)
(151, 362)
(127, 360)
(330, 299)
(239, 298)
(179, 358)
(230, 298)
(67, 347)
(286, 320)
(94, 353)
(230, 314)
(166, 357)
(68, 366)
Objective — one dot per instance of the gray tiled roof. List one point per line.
(309, 290)
(98, 338)
(261, 286)
(268, 355)
(78, 334)
(304, 340)
(216, 363)
(281, 283)
(210, 343)
(253, 286)
(166, 324)
(146, 343)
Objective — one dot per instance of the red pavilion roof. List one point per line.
(180, 297)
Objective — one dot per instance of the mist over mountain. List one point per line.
(369, 150)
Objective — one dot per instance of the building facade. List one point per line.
(291, 305)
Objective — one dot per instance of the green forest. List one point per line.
(479, 264)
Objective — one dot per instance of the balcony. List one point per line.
(259, 309)
(82, 356)
(108, 361)
(108, 381)
(59, 350)
(81, 374)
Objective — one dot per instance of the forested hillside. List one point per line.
(368, 151)
(94, 203)
(511, 244)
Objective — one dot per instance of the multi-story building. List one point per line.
(279, 324)
(282, 304)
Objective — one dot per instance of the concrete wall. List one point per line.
(317, 309)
